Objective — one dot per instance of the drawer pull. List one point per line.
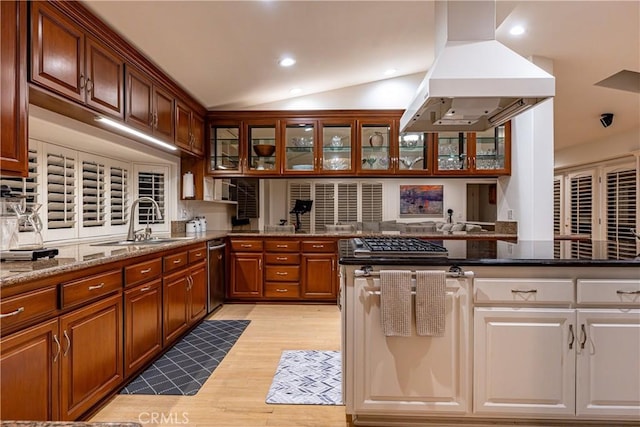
(318, 246)
(13, 313)
(93, 288)
(281, 258)
(177, 261)
(628, 292)
(525, 291)
(281, 273)
(282, 246)
(246, 245)
(145, 289)
(282, 290)
(199, 254)
(145, 271)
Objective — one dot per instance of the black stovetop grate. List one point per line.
(397, 246)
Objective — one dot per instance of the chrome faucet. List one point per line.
(131, 235)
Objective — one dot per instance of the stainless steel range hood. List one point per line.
(475, 83)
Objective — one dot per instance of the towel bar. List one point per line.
(367, 271)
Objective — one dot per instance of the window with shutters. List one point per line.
(581, 213)
(347, 202)
(61, 189)
(153, 185)
(557, 214)
(93, 194)
(371, 201)
(246, 192)
(323, 205)
(119, 195)
(27, 187)
(622, 212)
(302, 191)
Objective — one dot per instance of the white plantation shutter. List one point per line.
(25, 186)
(371, 201)
(324, 205)
(151, 184)
(93, 194)
(557, 214)
(61, 191)
(622, 212)
(119, 195)
(581, 213)
(302, 191)
(347, 202)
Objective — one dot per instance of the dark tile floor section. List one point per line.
(185, 367)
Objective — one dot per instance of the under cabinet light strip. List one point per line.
(134, 132)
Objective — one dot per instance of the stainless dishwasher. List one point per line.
(215, 290)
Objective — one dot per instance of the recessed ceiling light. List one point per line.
(390, 71)
(516, 30)
(287, 62)
(295, 91)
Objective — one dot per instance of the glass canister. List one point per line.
(8, 232)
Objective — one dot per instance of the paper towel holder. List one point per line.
(188, 191)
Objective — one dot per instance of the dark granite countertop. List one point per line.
(495, 253)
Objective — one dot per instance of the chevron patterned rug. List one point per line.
(307, 377)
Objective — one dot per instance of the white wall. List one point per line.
(598, 151)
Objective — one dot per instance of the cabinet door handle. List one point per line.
(66, 350)
(260, 264)
(620, 292)
(219, 257)
(333, 264)
(281, 290)
(145, 271)
(281, 273)
(58, 348)
(155, 119)
(145, 289)
(151, 119)
(94, 287)
(89, 85)
(524, 291)
(189, 283)
(572, 337)
(82, 81)
(281, 258)
(583, 336)
(13, 313)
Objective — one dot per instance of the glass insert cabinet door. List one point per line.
(262, 150)
(337, 147)
(491, 149)
(413, 153)
(375, 149)
(299, 146)
(225, 148)
(452, 151)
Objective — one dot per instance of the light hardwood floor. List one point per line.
(234, 394)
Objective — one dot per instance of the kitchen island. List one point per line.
(528, 337)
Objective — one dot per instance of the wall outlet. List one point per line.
(510, 214)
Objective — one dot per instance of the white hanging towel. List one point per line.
(395, 302)
(430, 303)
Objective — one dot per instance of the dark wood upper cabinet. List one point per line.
(189, 129)
(149, 106)
(13, 94)
(64, 59)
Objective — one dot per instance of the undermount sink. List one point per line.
(152, 241)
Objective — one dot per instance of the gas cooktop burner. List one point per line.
(396, 246)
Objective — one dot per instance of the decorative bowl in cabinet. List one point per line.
(264, 150)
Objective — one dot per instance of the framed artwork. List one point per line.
(421, 200)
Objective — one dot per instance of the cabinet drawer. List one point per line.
(617, 292)
(523, 291)
(318, 246)
(281, 246)
(198, 254)
(246, 245)
(21, 309)
(281, 290)
(284, 273)
(283, 258)
(90, 288)
(175, 261)
(142, 271)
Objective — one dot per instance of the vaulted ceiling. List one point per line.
(225, 53)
